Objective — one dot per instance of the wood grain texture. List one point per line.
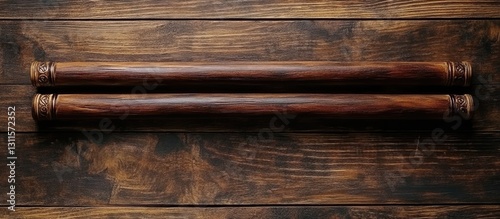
(220, 41)
(338, 106)
(249, 9)
(462, 211)
(83, 169)
(230, 167)
(485, 118)
(390, 74)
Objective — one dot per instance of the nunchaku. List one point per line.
(343, 106)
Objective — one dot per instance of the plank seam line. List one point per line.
(265, 205)
(250, 19)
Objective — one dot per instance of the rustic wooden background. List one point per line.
(226, 167)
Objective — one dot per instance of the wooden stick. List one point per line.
(45, 74)
(343, 106)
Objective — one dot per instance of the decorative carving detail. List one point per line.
(459, 73)
(461, 105)
(42, 74)
(43, 106)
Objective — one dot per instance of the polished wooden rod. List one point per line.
(45, 74)
(342, 106)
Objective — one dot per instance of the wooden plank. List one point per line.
(254, 9)
(218, 41)
(462, 211)
(71, 169)
(486, 118)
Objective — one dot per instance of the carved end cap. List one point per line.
(42, 74)
(459, 73)
(462, 105)
(43, 108)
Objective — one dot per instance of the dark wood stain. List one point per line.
(223, 41)
(218, 166)
(447, 211)
(295, 168)
(168, 143)
(258, 9)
